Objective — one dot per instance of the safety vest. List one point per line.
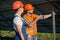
(31, 30)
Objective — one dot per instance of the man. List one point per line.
(19, 25)
(32, 19)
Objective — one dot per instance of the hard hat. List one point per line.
(28, 7)
(17, 4)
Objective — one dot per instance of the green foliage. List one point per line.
(40, 36)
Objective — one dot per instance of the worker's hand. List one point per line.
(22, 39)
(39, 17)
(29, 36)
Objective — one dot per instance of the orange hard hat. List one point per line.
(28, 7)
(17, 4)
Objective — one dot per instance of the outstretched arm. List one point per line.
(47, 16)
(41, 17)
(44, 16)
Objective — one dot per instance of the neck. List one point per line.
(29, 14)
(18, 13)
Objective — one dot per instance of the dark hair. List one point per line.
(16, 9)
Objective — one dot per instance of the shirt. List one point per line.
(17, 21)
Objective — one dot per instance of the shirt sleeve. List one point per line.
(42, 17)
(35, 15)
(17, 21)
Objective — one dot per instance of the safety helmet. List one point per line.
(28, 7)
(17, 4)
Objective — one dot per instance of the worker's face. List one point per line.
(31, 11)
(21, 10)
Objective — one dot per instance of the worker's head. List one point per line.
(29, 8)
(18, 5)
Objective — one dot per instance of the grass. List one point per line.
(47, 36)
(5, 33)
(41, 36)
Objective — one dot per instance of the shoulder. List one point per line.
(16, 19)
(35, 15)
(25, 15)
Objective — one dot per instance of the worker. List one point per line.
(32, 18)
(19, 25)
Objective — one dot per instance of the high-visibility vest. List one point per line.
(31, 30)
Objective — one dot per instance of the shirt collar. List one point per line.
(17, 15)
